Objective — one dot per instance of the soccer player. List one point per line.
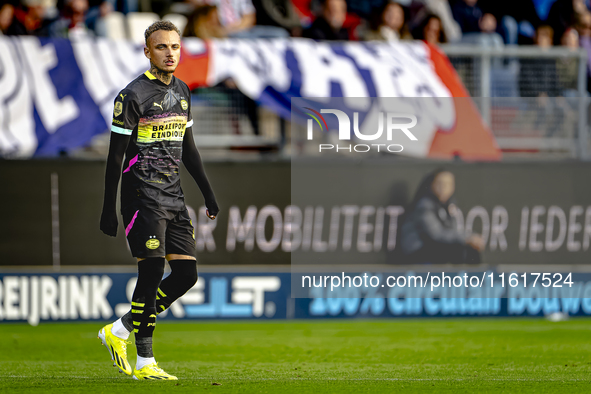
(152, 129)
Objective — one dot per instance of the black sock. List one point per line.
(127, 321)
(181, 279)
(144, 347)
(183, 276)
(143, 303)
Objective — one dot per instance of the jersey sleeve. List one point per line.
(189, 114)
(193, 164)
(189, 121)
(126, 113)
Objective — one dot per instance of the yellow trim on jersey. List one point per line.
(149, 75)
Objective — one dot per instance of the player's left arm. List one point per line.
(193, 164)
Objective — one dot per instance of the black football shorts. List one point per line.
(156, 232)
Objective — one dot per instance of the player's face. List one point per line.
(164, 50)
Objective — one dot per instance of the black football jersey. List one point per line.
(156, 117)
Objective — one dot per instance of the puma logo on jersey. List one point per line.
(159, 105)
(122, 96)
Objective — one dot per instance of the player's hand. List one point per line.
(109, 223)
(212, 217)
(212, 209)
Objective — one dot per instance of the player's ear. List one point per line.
(147, 52)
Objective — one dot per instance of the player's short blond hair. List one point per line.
(160, 25)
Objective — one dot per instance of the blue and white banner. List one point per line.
(56, 94)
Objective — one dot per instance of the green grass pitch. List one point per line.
(428, 355)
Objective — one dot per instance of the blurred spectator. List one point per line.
(236, 15)
(419, 9)
(538, 75)
(6, 16)
(469, 16)
(570, 39)
(238, 19)
(478, 28)
(584, 29)
(563, 15)
(429, 231)
(329, 25)
(72, 22)
(127, 6)
(568, 67)
(98, 9)
(305, 11)
(430, 30)
(204, 23)
(388, 24)
(513, 21)
(568, 77)
(488, 23)
(280, 13)
(538, 78)
(30, 17)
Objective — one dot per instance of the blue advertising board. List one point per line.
(36, 298)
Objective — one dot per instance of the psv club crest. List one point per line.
(118, 108)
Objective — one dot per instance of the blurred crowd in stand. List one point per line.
(437, 21)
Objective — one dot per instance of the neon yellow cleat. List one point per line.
(152, 372)
(117, 348)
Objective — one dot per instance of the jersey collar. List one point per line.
(151, 77)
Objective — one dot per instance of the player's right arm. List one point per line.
(125, 118)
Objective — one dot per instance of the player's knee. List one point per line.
(186, 271)
(159, 268)
(150, 273)
(190, 276)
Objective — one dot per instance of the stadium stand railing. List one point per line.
(535, 100)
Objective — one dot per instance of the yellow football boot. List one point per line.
(152, 372)
(117, 348)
